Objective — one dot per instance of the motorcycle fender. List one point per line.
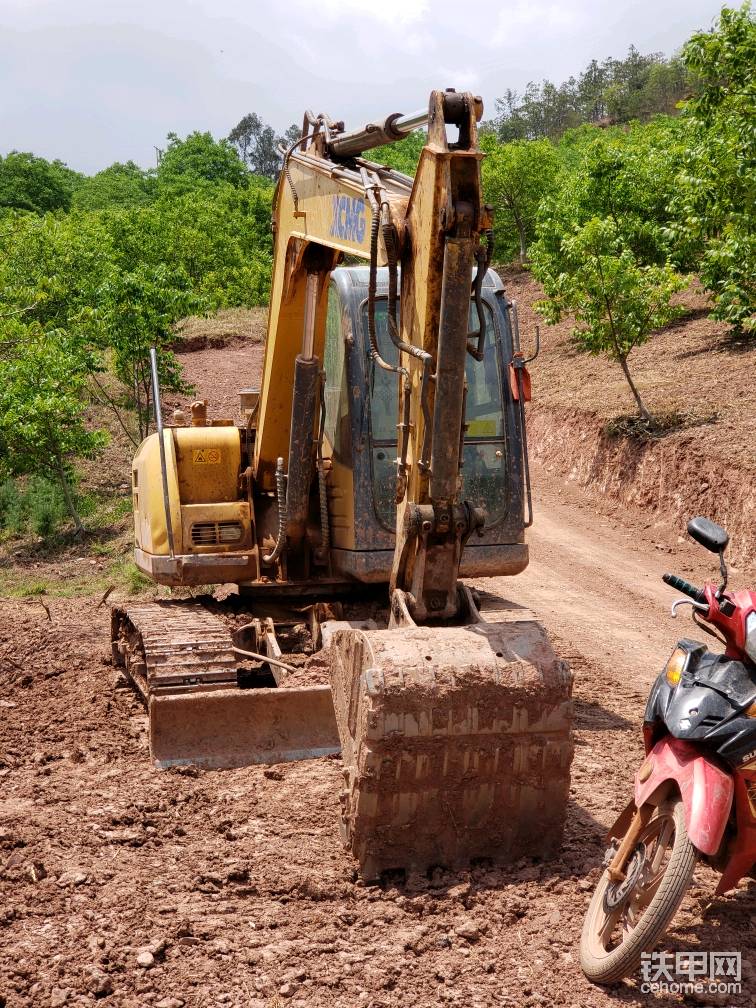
(706, 790)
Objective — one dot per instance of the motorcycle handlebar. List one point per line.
(697, 594)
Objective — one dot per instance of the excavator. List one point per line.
(382, 459)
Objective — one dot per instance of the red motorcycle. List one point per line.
(695, 792)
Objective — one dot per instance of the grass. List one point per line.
(123, 575)
(33, 506)
(227, 326)
(636, 428)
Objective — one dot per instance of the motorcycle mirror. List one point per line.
(708, 534)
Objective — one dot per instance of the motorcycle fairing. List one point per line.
(708, 705)
(741, 851)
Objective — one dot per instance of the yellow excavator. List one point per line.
(385, 451)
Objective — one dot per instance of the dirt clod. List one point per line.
(468, 930)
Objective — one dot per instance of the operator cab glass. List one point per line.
(484, 471)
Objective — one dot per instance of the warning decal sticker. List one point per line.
(206, 456)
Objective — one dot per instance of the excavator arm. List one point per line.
(330, 202)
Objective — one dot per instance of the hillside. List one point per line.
(694, 378)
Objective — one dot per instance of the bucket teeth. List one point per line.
(457, 742)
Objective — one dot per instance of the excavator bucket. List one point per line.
(456, 743)
(183, 662)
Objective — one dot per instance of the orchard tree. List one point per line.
(136, 311)
(31, 183)
(516, 177)
(616, 300)
(715, 202)
(54, 263)
(197, 161)
(603, 247)
(120, 185)
(43, 385)
(219, 238)
(627, 175)
(403, 155)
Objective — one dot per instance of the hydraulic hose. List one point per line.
(404, 424)
(325, 530)
(392, 256)
(283, 519)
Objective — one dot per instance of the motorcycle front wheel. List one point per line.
(626, 919)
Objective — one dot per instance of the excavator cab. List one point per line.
(360, 436)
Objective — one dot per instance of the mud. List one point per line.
(456, 744)
(128, 886)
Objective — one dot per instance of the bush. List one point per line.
(46, 506)
(38, 507)
(12, 518)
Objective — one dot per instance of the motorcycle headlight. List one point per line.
(750, 640)
(676, 666)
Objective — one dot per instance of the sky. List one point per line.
(97, 81)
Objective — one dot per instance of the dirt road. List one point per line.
(597, 583)
(127, 886)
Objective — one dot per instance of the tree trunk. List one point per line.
(636, 394)
(67, 494)
(523, 238)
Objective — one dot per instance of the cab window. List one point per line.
(336, 428)
(484, 462)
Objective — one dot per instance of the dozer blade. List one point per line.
(456, 743)
(235, 727)
(181, 659)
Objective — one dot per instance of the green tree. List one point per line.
(715, 203)
(258, 145)
(31, 183)
(51, 266)
(403, 155)
(120, 185)
(628, 175)
(615, 91)
(617, 302)
(516, 177)
(198, 161)
(43, 383)
(219, 237)
(602, 249)
(135, 311)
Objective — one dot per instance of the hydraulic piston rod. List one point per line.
(394, 127)
(397, 126)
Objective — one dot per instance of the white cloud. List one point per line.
(92, 81)
(393, 13)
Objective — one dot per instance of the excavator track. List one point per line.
(182, 660)
(456, 743)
